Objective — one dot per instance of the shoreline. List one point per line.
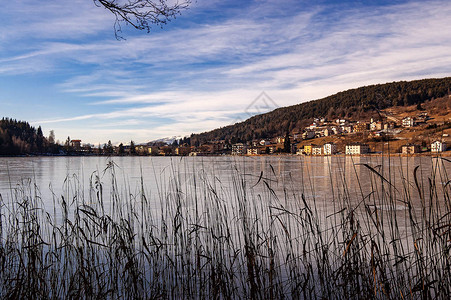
(425, 154)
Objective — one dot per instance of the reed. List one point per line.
(254, 237)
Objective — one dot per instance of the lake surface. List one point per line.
(307, 225)
(322, 180)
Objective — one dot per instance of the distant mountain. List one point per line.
(347, 104)
(166, 140)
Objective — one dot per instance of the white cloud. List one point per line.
(50, 19)
(201, 76)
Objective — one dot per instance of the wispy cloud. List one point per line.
(52, 19)
(204, 71)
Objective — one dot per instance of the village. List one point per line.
(412, 134)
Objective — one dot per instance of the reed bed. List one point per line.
(259, 237)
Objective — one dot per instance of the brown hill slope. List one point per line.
(354, 103)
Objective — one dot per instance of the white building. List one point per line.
(410, 149)
(329, 148)
(238, 149)
(438, 146)
(336, 130)
(280, 140)
(347, 129)
(317, 150)
(254, 151)
(313, 126)
(376, 125)
(327, 132)
(408, 122)
(357, 149)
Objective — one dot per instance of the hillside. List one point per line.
(351, 104)
(436, 127)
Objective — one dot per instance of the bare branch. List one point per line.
(142, 14)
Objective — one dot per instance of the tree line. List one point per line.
(19, 138)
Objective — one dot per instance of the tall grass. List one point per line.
(260, 237)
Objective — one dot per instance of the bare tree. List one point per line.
(142, 14)
(51, 137)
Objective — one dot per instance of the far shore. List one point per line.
(426, 154)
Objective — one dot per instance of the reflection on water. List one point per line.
(322, 180)
(327, 183)
(227, 227)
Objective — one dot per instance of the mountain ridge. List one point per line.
(345, 104)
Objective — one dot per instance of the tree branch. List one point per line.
(142, 14)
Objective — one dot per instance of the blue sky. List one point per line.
(62, 68)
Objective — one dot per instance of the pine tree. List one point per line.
(132, 148)
(287, 143)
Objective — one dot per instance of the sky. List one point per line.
(219, 62)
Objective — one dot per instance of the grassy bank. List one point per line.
(197, 237)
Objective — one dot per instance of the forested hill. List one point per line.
(18, 137)
(347, 104)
